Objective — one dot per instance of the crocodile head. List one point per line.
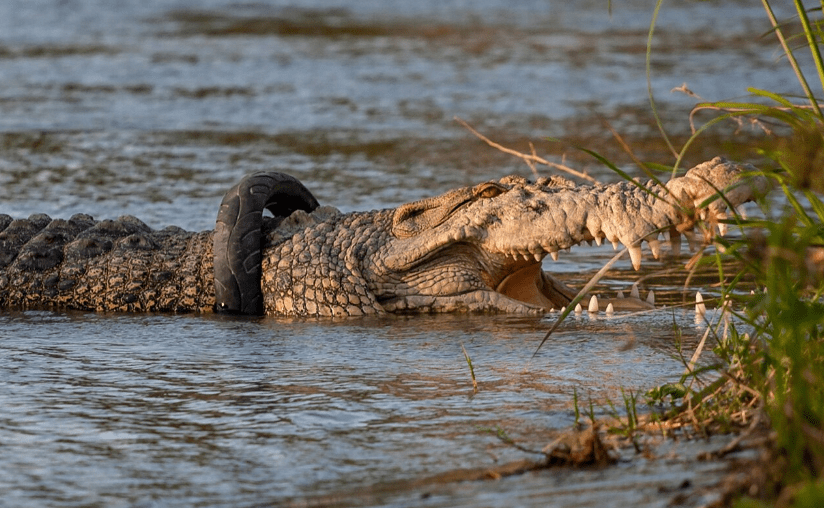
(481, 248)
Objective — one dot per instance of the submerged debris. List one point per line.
(578, 448)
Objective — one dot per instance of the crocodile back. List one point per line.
(108, 265)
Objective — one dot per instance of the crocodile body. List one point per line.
(474, 249)
(109, 265)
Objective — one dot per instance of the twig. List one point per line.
(626, 148)
(735, 444)
(736, 111)
(530, 160)
(685, 90)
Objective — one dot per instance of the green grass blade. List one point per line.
(808, 31)
(791, 58)
(655, 114)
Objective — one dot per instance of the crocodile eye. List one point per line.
(489, 190)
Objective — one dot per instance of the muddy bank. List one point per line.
(652, 471)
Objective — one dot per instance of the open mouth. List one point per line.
(531, 285)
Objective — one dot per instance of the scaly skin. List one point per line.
(475, 249)
(120, 265)
(478, 249)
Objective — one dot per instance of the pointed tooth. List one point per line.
(633, 293)
(593, 305)
(554, 255)
(655, 248)
(651, 298)
(635, 256)
(700, 308)
(598, 240)
(675, 243)
(610, 309)
(722, 227)
(615, 244)
(620, 294)
(691, 240)
(579, 309)
(538, 257)
(741, 211)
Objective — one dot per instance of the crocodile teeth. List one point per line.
(554, 255)
(610, 309)
(722, 227)
(615, 245)
(691, 240)
(655, 247)
(651, 298)
(518, 256)
(635, 256)
(675, 243)
(538, 257)
(598, 240)
(741, 211)
(579, 309)
(700, 308)
(620, 294)
(634, 292)
(593, 305)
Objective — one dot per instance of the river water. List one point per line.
(154, 108)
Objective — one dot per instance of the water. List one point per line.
(154, 108)
(200, 410)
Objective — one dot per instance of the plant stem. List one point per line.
(805, 22)
(790, 57)
(471, 369)
(649, 82)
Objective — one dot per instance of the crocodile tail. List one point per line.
(238, 236)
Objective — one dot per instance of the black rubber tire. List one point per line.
(238, 236)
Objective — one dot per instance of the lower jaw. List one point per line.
(479, 301)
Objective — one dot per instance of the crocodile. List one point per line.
(473, 249)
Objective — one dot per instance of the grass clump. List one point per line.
(769, 345)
